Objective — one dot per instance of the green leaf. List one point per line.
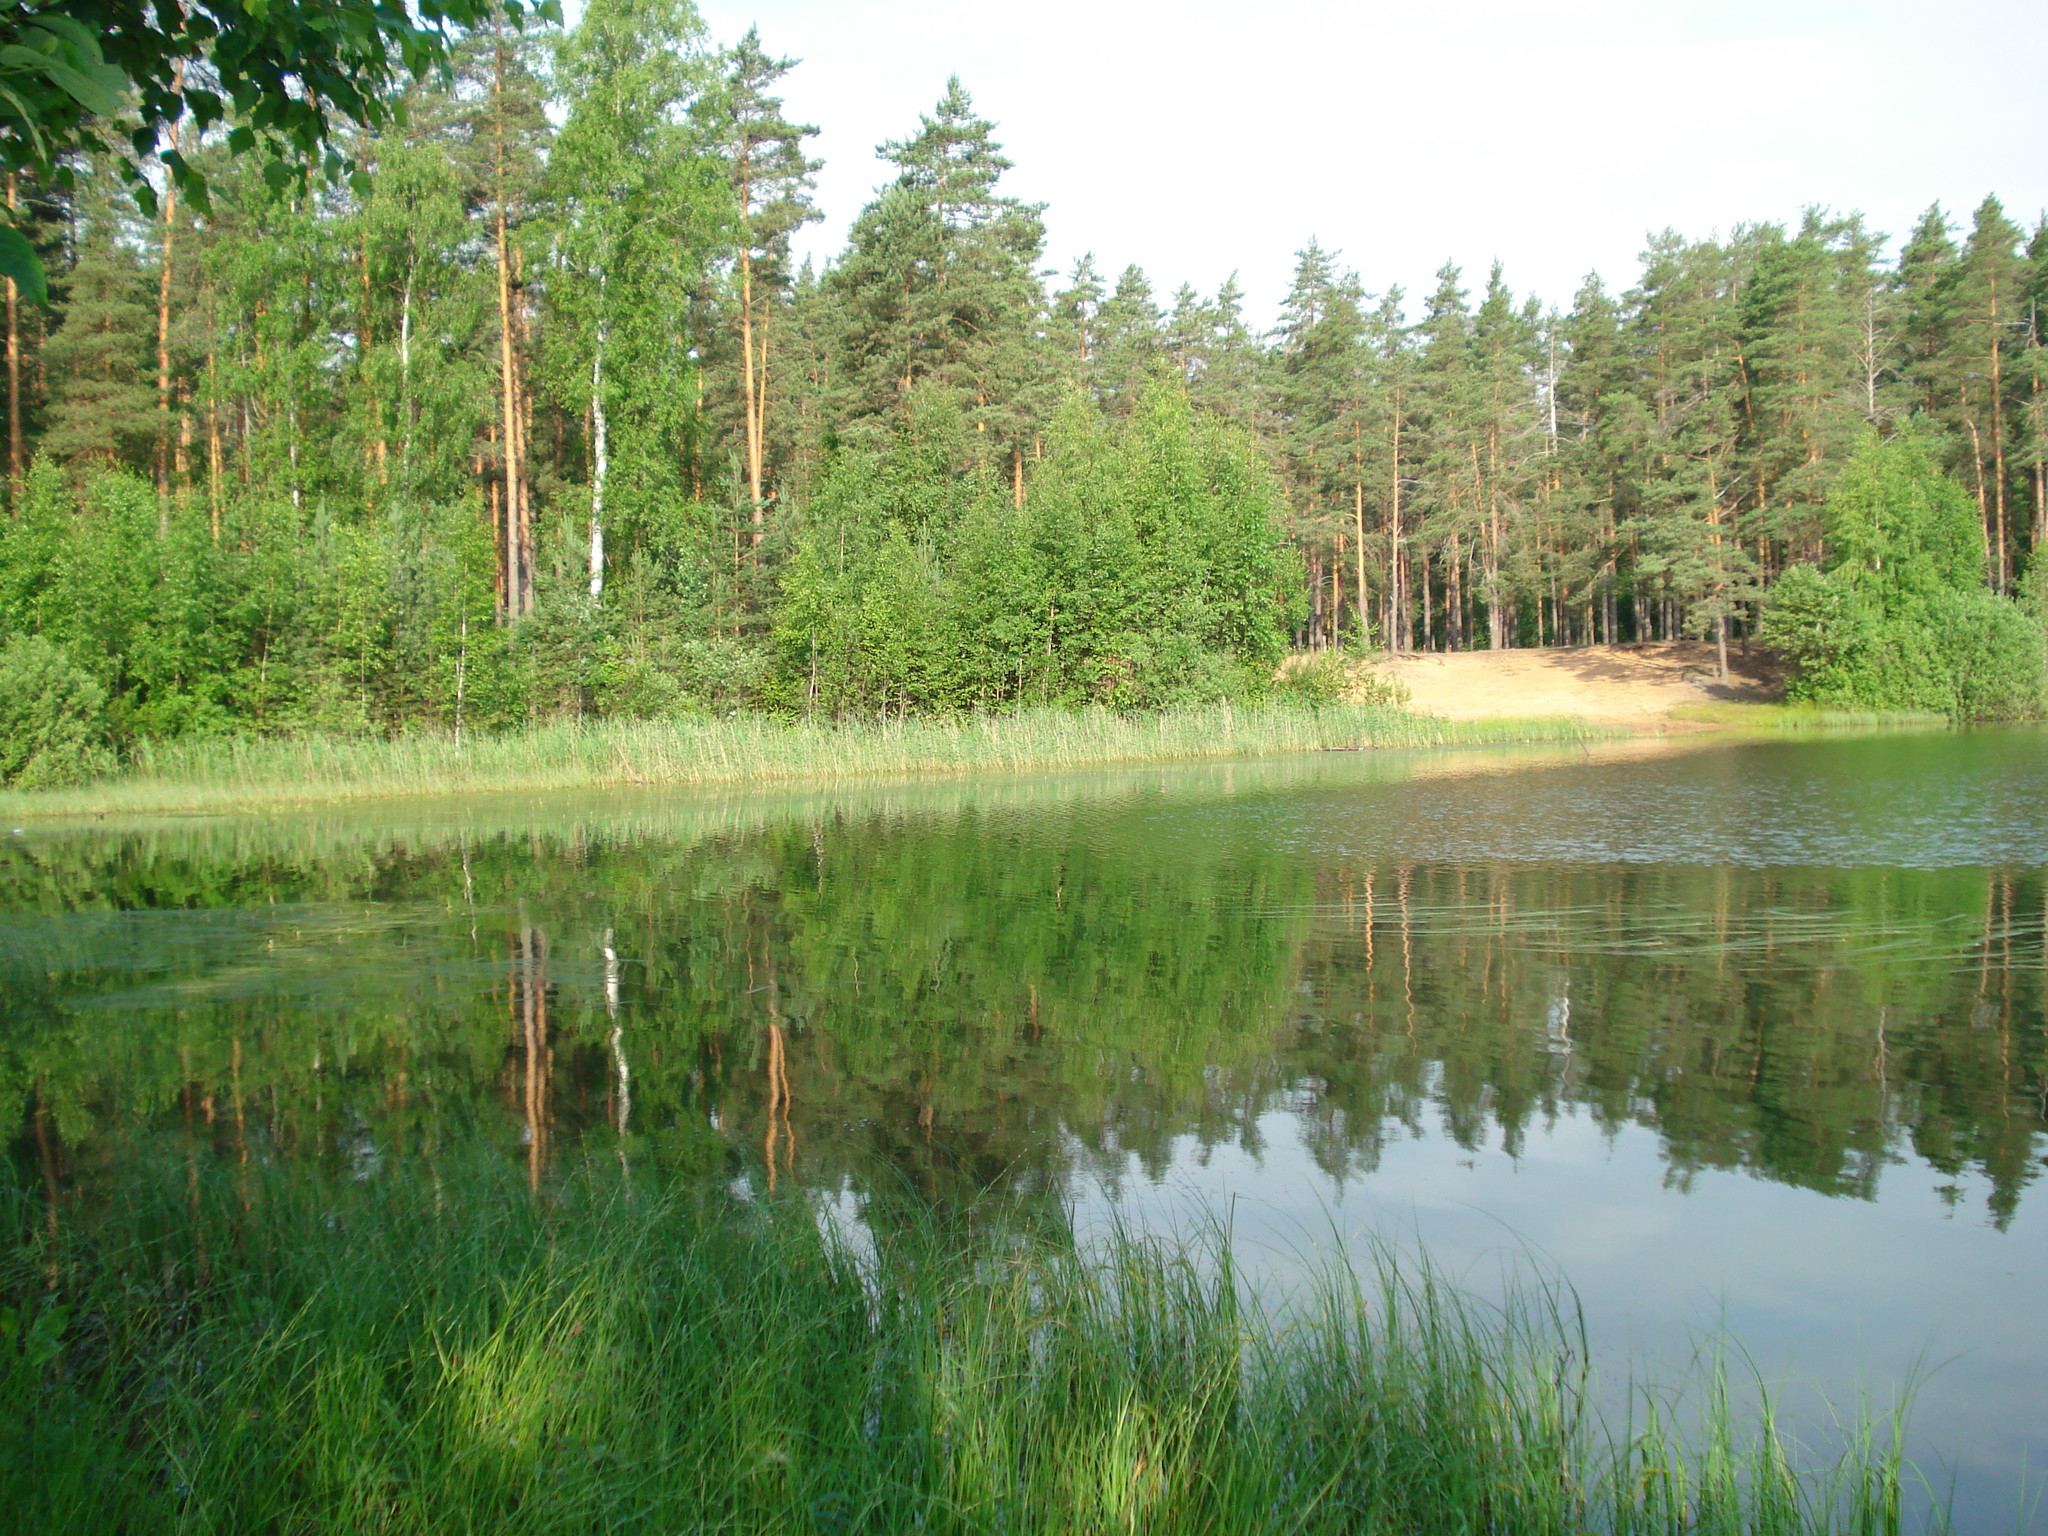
(77, 33)
(19, 261)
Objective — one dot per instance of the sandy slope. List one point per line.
(1617, 684)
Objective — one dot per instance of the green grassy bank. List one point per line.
(442, 1351)
(237, 774)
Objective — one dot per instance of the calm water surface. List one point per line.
(1742, 1037)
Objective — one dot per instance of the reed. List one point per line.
(220, 774)
(442, 1350)
(1793, 719)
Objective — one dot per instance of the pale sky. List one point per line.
(1200, 138)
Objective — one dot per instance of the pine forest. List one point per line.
(541, 418)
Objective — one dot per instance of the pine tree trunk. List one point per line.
(1402, 636)
(1496, 628)
(1454, 610)
(750, 386)
(1315, 600)
(518, 578)
(213, 436)
(1337, 596)
(163, 358)
(2001, 556)
(1364, 635)
(15, 468)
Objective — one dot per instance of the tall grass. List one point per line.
(242, 773)
(442, 1352)
(1794, 719)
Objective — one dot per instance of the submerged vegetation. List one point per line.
(440, 1349)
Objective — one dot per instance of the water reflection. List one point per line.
(974, 995)
(1468, 992)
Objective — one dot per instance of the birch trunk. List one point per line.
(600, 442)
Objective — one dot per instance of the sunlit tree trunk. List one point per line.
(601, 457)
(15, 466)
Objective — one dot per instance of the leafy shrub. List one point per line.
(723, 672)
(1993, 654)
(1336, 677)
(1316, 680)
(53, 721)
(1900, 619)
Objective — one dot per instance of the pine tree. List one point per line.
(1318, 394)
(1130, 346)
(1504, 362)
(1074, 322)
(102, 404)
(1984, 307)
(1603, 433)
(939, 284)
(1802, 318)
(2030, 456)
(500, 131)
(772, 178)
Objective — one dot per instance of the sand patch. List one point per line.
(1635, 685)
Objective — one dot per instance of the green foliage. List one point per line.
(1898, 528)
(1144, 569)
(289, 73)
(456, 1352)
(52, 718)
(1900, 618)
(568, 292)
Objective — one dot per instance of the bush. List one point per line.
(1900, 620)
(53, 721)
(1967, 655)
(1993, 654)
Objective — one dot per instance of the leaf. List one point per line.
(28, 122)
(90, 94)
(19, 261)
(78, 33)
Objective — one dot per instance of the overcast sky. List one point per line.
(1198, 138)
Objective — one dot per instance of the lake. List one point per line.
(1745, 1042)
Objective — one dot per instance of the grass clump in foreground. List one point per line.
(242, 773)
(442, 1353)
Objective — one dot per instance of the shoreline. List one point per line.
(229, 776)
(233, 776)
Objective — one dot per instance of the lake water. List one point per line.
(1743, 1041)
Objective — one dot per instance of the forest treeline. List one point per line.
(540, 416)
